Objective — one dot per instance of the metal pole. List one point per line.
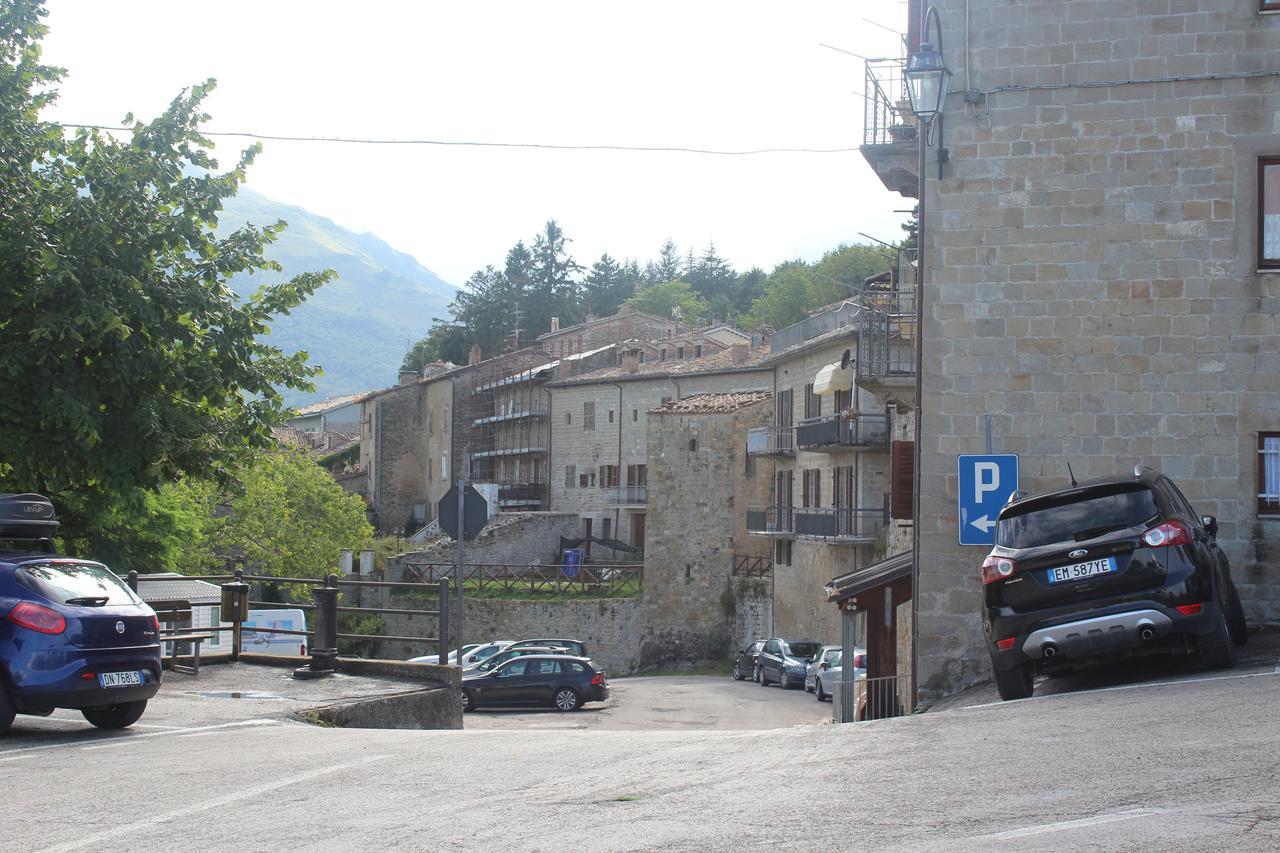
(237, 629)
(923, 133)
(443, 619)
(460, 569)
(324, 654)
(133, 580)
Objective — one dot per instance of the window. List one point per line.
(568, 418)
(1269, 470)
(843, 400)
(1078, 517)
(782, 409)
(811, 487)
(693, 445)
(666, 400)
(608, 476)
(842, 487)
(1269, 5)
(1269, 209)
(637, 475)
(570, 475)
(588, 416)
(606, 528)
(611, 416)
(662, 354)
(697, 351)
(635, 415)
(782, 552)
(512, 668)
(679, 353)
(642, 356)
(812, 402)
(215, 619)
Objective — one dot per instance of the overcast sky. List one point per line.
(723, 75)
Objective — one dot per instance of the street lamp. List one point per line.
(928, 78)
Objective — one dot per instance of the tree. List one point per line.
(786, 299)
(484, 306)
(608, 285)
(125, 359)
(659, 299)
(666, 268)
(445, 342)
(552, 288)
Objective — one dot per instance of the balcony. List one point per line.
(521, 495)
(771, 520)
(507, 451)
(771, 441)
(537, 410)
(887, 343)
(838, 433)
(889, 130)
(841, 525)
(625, 496)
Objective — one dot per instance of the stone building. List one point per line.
(1101, 247)
(626, 325)
(699, 479)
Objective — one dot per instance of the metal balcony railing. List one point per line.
(848, 525)
(533, 410)
(627, 495)
(771, 441)
(885, 119)
(887, 334)
(771, 520)
(841, 431)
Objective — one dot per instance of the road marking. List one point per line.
(57, 717)
(18, 758)
(1060, 826)
(97, 838)
(1122, 687)
(130, 738)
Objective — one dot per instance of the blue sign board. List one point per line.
(987, 481)
(572, 560)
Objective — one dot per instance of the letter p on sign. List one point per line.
(986, 479)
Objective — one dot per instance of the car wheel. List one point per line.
(1016, 683)
(567, 699)
(817, 689)
(1235, 616)
(737, 671)
(763, 681)
(468, 701)
(1215, 649)
(115, 716)
(7, 712)
(755, 674)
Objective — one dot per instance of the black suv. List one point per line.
(1109, 568)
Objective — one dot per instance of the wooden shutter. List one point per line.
(902, 461)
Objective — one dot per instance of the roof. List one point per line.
(540, 370)
(617, 315)
(704, 404)
(862, 580)
(177, 588)
(720, 362)
(326, 405)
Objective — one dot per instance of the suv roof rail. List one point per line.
(1139, 469)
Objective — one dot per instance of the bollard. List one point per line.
(324, 653)
(443, 621)
(235, 609)
(133, 580)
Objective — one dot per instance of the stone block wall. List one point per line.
(514, 539)
(1092, 278)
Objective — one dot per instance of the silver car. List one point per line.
(832, 672)
(811, 671)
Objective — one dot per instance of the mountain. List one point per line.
(356, 327)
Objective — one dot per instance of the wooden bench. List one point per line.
(178, 615)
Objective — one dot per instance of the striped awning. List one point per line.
(832, 378)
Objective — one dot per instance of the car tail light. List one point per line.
(858, 662)
(1190, 609)
(597, 679)
(1169, 533)
(997, 568)
(37, 618)
(1005, 644)
(156, 620)
(87, 676)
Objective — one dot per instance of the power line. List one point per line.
(351, 140)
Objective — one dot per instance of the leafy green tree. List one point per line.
(786, 299)
(659, 299)
(667, 267)
(608, 285)
(445, 342)
(484, 306)
(125, 360)
(841, 272)
(553, 290)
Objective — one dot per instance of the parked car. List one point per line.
(830, 673)
(824, 656)
(575, 646)
(471, 654)
(745, 661)
(564, 682)
(511, 654)
(783, 662)
(261, 632)
(72, 634)
(1111, 568)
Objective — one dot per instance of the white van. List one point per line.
(260, 632)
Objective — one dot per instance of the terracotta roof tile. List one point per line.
(712, 403)
(720, 362)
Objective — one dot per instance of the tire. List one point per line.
(755, 674)
(7, 712)
(782, 680)
(115, 716)
(468, 701)
(567, 699)
(818, 691)
(737, 671)
(763, 679)
(1215, 649)
(807, 688)
(1016, 683)
(1235, 616)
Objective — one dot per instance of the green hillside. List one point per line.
(359, 326)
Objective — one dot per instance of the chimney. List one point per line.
(739, 353)
(473, 357)
(408, 377)
(555, 324)
(631, 360)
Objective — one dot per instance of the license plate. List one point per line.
(1087, 569)
(120, 679)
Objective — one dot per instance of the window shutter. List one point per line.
(902, 460)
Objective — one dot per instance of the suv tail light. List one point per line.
(37, 618)
(997, 568)
(1169, 533)
(597, 679)
(858, 662)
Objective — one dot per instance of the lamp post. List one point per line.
(928, 81)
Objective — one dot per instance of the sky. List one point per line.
(718, 75)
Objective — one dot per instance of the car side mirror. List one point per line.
(824, 665)
(1210, 524)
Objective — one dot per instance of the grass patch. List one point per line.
(532, 591)
(627, 798)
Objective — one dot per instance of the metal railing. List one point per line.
(883, 123)
(840, 524)
(614, 580)
(887, 333)
(871, 699)
(843, 430)
(771, 520)
(747, 566)
(627, 495)
(771, 441)
(532, 410)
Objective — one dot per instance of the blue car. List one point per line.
(72, 634)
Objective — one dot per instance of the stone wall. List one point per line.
(514, 539)
(1092, 277)
(752, 611)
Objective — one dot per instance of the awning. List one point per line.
(885, 571)
(832, 378)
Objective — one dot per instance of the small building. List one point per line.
(336, 414)
(205, 600)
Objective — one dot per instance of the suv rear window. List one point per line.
(75, 583)
(1077, 517)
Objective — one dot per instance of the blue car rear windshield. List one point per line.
(75, 583)
(1077, 516)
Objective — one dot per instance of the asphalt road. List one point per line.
(1192, 763)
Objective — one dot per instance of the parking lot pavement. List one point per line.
(671, 702)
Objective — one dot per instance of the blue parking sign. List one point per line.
(987, 481)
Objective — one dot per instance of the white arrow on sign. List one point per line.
(983, 523)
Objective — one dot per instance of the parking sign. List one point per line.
(986, 483)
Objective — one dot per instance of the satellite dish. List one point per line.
(845, 358)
